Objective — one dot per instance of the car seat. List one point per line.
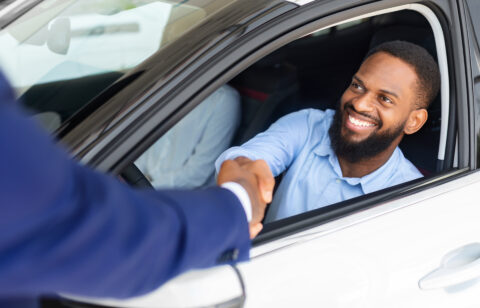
(263, 87)
(420, 148)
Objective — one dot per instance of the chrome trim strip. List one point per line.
(12, 7)
(300, 2)
(443, 65)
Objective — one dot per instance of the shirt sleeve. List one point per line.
(67, 228)
(223, 111)
(242, 195)
(278, 146)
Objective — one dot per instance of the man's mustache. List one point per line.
(349, 105)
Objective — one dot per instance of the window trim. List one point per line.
(14, 10)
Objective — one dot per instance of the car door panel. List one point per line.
(198, 288)
(377, 262)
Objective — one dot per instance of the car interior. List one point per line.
(313, 72)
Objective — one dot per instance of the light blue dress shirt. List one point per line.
(300, 143)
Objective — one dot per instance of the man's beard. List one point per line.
(354, 152)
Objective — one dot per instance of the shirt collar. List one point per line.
(370, 182)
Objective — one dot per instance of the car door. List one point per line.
(420, 250)
(414, 245)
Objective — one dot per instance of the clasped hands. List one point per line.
(257, 179)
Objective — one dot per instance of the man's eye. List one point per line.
(356, 86)
(385, 99)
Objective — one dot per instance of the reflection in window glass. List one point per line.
(51, 49)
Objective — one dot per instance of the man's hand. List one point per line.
(257, 179)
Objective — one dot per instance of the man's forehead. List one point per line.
(384, 71)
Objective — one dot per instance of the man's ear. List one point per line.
(415, 121)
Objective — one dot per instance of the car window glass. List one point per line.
(474, 14)
(61, 54)
(184, 156)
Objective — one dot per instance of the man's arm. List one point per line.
(67, 228)
(278, 146)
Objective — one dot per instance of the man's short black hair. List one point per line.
(428, 74)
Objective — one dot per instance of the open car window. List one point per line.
(310, 73)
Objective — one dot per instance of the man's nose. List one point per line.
(364, 103)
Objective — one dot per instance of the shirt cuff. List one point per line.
(242, 195)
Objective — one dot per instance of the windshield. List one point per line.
(62, 53)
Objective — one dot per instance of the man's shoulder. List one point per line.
(397, 170)
(405, 170)
(312, 116)
(317, 113)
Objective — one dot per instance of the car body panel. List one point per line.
(376, 258)
(370, 251)
(205, 288)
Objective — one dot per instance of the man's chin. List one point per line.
(353, 138)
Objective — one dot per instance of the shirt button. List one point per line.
(338, 181)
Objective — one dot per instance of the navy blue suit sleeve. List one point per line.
(67, 228)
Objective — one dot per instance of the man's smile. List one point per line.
(358, 123)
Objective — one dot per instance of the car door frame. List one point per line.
(473, 73)
(275, 31)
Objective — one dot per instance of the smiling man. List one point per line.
(331, 155)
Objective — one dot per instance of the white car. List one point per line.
(412, 245)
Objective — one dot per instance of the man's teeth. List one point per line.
(359, 122)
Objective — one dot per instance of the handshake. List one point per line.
(257, 179)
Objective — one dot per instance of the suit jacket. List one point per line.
(67, 228)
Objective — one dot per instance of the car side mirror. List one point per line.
(59, 35)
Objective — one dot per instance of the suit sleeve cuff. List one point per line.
(242, 195)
